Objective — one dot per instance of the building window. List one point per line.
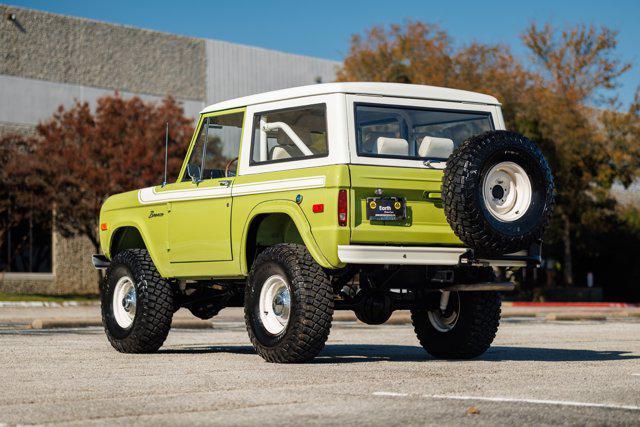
(26, 247)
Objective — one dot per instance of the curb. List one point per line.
(86, 323)
(568, 316)
(396, 319)
(529, 314)
(64, 323)
(569, 304)
(26, 304)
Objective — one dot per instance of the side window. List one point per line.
(290, 134)
(219, 141)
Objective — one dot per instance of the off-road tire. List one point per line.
(465, 209)
(311, 305)
(471, 336)
(154, 309)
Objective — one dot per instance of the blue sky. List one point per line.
(323, 28)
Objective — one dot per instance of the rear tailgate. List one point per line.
(425, 223)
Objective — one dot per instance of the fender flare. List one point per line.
(293, 211)
(155, 257)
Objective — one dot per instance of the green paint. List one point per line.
(218, 237)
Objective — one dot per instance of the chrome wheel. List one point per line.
(124, 302)
(506, 191)
(275, 304)
(445, 319)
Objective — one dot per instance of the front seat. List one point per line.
(279, 152)
(284, 151)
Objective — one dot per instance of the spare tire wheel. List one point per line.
(497, 193)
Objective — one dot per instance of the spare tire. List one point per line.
(497, 193)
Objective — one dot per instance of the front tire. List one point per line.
(288, 305)
(464, 330)
(137, 303)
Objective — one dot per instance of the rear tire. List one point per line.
(137, 303)
(288, 304)
(497, 192)
(466, 336)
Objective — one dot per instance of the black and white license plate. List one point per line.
(386, 208)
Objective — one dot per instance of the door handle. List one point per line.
(225, 183)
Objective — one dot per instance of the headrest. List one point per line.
(392, 146)
(433, 147)
(279, 152)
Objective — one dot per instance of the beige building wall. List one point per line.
(60, 48)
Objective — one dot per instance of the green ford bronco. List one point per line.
(371, 197)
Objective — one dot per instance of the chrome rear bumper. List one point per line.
(428, 255)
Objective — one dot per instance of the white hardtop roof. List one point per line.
(398, 90)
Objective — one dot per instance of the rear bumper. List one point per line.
(100, 262)
(431, 255)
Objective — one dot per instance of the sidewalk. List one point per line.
(85, 315)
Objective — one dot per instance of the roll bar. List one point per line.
(266, 127)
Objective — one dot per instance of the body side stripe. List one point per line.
(278, 185)
(150, 195)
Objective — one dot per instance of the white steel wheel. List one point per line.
(507, 191)
(124, 302)
(275, 304)
(446, 320)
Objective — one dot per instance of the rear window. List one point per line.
(415, 133)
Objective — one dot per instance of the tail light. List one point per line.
(342, 208)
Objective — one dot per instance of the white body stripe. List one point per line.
(280, 185)
(150, 195)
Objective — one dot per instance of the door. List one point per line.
(200, 211)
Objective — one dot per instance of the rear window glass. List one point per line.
(406, 132)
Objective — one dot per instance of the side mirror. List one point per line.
(193, 171)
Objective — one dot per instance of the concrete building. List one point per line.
(47, 60)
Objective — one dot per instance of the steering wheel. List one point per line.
(226, 168)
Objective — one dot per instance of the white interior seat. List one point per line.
(392, 146)
(280, 152)
(433, 147)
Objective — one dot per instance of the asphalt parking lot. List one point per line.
(537, 372)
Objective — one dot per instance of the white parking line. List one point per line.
(516, 400)
(635, 375)
(390, 393)
(535, 401)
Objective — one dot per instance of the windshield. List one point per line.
(415, 133)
